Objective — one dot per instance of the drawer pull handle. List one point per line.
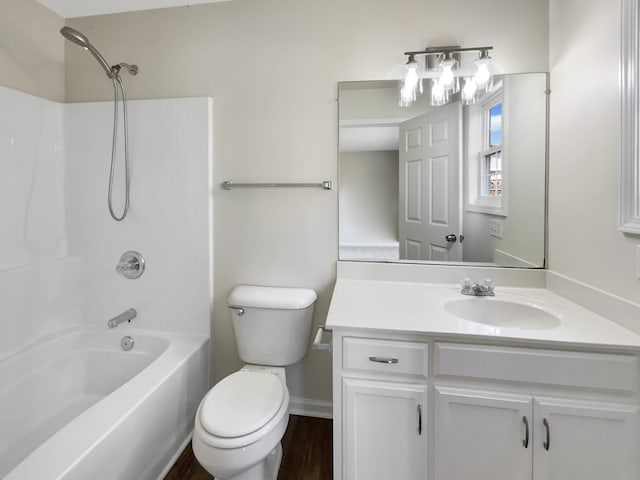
(388, 360)
(547, 443)
(525, 442)
(419, 419)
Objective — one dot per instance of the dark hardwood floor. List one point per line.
(307, 453)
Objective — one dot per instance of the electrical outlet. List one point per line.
(495, 228)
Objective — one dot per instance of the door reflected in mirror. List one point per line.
(456, 183)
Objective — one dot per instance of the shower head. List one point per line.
(79, 39)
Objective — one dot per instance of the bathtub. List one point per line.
(75, 405)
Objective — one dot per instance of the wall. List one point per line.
(369, 197)
(584, 243)
(523, 229)
(31, 51)
(271, 67)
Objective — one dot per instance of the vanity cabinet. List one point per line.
(419, 407)
(510, 436)
(383, 409)
(384, 430)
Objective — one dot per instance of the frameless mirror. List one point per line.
(454, 183)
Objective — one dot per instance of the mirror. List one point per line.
(455, 183)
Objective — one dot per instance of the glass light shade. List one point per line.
(469, 91)
(447, 75)
(483, 74)
(439, 94)
(411, 85)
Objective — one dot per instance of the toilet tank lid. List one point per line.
(271, 297)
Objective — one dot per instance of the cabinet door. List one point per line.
(482, 435)
(384, 430)
(584, 440)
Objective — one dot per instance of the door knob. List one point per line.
(451, 238)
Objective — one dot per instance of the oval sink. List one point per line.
(502, 313)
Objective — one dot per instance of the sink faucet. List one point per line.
(125, 316)
(476, 289)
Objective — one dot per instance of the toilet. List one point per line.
(241, 420)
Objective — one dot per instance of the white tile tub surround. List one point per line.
(31, 179)
(168, 221)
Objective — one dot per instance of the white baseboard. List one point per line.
(309, 407)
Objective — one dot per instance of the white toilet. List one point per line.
(241, 420)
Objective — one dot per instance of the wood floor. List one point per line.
(306, 449)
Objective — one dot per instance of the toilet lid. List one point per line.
(241, 403)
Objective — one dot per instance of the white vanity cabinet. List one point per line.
(381, 389)
(523, 413)
(420, 407)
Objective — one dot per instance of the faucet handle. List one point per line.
(489, 283)
(466, 283)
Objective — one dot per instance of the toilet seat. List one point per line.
(242, 408)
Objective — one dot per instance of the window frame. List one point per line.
(480, 150)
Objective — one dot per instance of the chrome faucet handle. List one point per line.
(131, 264)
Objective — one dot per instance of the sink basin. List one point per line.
(502, 313)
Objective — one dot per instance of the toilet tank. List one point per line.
(271, 324)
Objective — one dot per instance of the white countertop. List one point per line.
(419, 308)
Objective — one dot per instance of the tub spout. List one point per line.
(125, 316)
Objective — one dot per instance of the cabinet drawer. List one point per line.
(574, 369)
(401, 358)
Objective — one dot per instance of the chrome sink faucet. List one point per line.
(476, 289)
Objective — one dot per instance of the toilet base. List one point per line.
(265, 470)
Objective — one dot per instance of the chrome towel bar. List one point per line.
(228, 185)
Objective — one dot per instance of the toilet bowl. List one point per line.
(241, 420)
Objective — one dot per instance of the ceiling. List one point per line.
(85, 8)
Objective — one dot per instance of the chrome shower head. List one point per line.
(79, 39)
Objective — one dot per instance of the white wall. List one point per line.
(168, 219)
(31, 61)
(368, 197)
(272, 67)
(584, 243)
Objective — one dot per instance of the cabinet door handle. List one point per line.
(547, 443)
(388, 360)
(525, 442)
(419, 419)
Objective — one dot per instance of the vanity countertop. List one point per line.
(419, 308)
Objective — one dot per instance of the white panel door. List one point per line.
(429, 185)
(384, 430)
(584, 440)
(482, 435)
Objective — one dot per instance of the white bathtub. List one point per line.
(76, 406)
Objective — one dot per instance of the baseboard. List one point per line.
(309, 407)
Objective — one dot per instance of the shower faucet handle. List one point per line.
(131, 264)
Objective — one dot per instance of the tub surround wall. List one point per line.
(168, 221)
(39, 283)
(59, 245)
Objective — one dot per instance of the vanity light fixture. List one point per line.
(444, 66)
